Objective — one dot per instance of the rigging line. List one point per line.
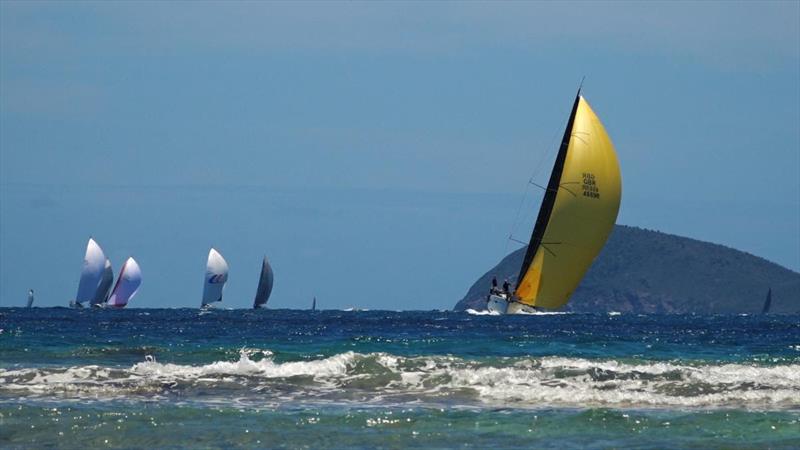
(516, 219)
(573, 194)
(537, 168)
(511, 238)
(561, 186)
(541, 244)
(581, 139)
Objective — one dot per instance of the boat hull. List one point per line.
(519, 308)
(499, 304)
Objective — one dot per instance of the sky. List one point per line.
(377, 153)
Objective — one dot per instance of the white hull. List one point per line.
(519, 308)
(499, 304)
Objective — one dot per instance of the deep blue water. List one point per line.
(367, 379)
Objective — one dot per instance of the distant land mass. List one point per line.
(645, 271)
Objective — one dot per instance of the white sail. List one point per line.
(216, 276)
(104, 287)
(128, 282)
(92, 272)
(30, 298)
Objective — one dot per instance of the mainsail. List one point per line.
(767, 302)
(30, 298)
(216, 276)
(128, 282)
(264, 285)
(314, 304)
(92, 272)
(104, 287)
(577, 214)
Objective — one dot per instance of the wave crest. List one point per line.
(381, 378)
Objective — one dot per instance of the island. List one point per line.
(647, 271)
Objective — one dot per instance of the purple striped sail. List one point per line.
(130, 278)
(216, 276)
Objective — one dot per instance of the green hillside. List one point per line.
(647, 271)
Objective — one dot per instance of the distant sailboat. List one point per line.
(767, 302)
(265, 282)
(104, 288)
(91, 274)
(576, 216)
(314, 304)
(30, 298)
(128, 282)
(216, 276)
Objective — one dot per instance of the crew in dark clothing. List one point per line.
(493, 290)
(506, 286)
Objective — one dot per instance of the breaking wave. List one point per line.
(381, 378)
(482, 312)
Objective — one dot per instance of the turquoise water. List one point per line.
(334, 379)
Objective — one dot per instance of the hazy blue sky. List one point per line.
(376, 152)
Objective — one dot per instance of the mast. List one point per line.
(546, 209)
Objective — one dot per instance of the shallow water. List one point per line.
(280, 378)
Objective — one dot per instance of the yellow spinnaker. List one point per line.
(577, 214)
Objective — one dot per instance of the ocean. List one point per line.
(168, 378)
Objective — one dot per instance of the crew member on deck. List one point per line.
(493, 290)
(506, 285)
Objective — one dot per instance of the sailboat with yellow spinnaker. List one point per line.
(575, 218)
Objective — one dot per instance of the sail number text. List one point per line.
(590, 186)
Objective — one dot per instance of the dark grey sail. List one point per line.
(767, 302)
(30, 298)
(104, 288)
(264, 285)
(314, 304)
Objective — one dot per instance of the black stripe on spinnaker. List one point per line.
(546, 209)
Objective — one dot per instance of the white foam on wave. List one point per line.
(485, 312)
(579, 382)
(336, 365)
(382, 377)
(542, 313)
(482, 312)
